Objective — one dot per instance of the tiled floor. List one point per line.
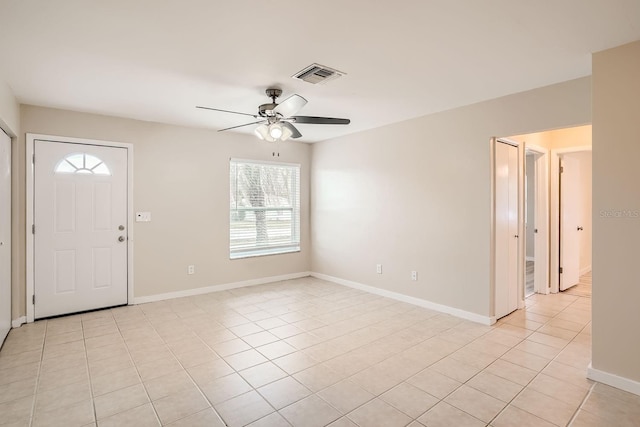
(307, 353)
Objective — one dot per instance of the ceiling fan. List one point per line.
(276, 120)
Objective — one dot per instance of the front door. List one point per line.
(80, 219)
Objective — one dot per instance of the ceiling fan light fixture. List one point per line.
(262, 132)
(275, 131)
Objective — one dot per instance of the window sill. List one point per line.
(263, 252)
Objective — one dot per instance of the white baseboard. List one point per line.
(217, 288)
(485, 320)
(16, 323)
(613, 380)
(585, 270)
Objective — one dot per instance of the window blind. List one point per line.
(264, 217)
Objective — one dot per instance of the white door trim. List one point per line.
(542, 205)
(554, 215)
(521, 264)
(30, 145)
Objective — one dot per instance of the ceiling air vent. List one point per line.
(316, 73)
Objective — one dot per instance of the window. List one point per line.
(82, 163)
(265, 208)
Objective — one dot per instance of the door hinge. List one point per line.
(560, 270)
(33, 229)
(33, 299)
(561, 169)
(33, 159)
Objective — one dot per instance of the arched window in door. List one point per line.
(82, 163)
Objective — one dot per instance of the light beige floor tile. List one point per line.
(158, 368)
(524, 359)
(207, 372)
(371, 414)
(245, 359)
(575, 376)
(78, 414)
(243, 409)
(271, 420)
(410, 399)
(62, 396)
(233, 346)
(513, 416)
(545, 407)
(206, 418)
(558, 389)
(284, 392)
(107, 366)
(295, 362)
(225, 388)
(173, 383)
(260, 338)
(11, 361)
(17, 389)
(66, 361)
(318, 377)
(140, 416)
(345, 396)
(103, 340)
(245, 329)
(114, 381)
(455, 369)
(512, 372)
(196, 357)
(346, 422)
(119, 401)
(180, 405)
(616, 412)
(475, 403)
(445, 415)
(262, 374)
(434, 383)
(495, 386)
(17, 410)
(63, 338)
(23, 372)
(276, 349)
(587, 419)
(273, 322)
(286, 331)
(538, 349)
(63, 377)
(310, 412)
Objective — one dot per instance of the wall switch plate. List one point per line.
(379, 268)
(414, 275)
(191, 269)
(143, 216)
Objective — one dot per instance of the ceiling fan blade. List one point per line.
(227, 111)
(246, 124)
(320, 120)
(295, 133)
(290, 106)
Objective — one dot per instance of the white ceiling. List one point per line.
(156, 59)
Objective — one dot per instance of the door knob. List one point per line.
(580, 228)
(121, 239)
(535, 230)
(516, 236)
(121, 227)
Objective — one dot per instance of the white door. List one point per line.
(541, 251)
(5, 235)
(506, 229)
(570, 203)
(80, 219)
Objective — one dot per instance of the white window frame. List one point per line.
(294, 246)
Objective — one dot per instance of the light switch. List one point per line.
(143, 216)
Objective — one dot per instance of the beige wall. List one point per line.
(181, 177)
(9, 110)
(415, 195)
(616, 239)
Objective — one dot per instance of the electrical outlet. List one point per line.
(379, 268)
(414, 275)
(191, 269)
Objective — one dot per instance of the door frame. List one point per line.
(542, 206)
(520, 256)
(30, 148)
(554, 216)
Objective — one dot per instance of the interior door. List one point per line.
(5, 235)
(541, 254)
(570, 202)
(506, 229)
(80, 219)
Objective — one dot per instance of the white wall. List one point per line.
(415, 195)
(181, 175)
(616, 212)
